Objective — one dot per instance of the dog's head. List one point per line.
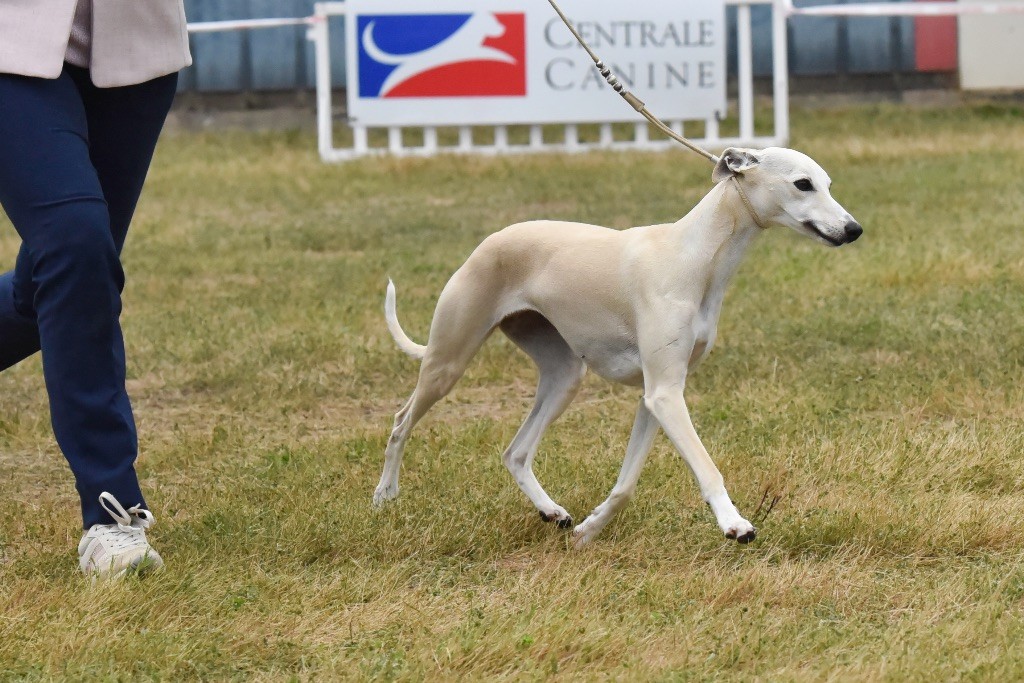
(785, 187)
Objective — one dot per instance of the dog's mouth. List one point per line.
(810, 225)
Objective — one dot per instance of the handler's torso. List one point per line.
(132, 41)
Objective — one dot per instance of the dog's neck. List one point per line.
(721, 222)
(738, 184)
(716, 232)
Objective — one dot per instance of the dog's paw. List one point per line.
(559, 516)
(741, 532)
(383, 494)
(586, 531)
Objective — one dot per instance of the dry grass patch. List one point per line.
(875, 389)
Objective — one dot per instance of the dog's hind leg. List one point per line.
(435, 381)
(645, 427)
(561, 373)
(387, 487)
(461, 325)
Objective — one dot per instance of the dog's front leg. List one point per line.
(664, 380)
(645, 427)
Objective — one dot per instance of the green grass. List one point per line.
(876, 389)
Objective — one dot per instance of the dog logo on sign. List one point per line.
(442, 55)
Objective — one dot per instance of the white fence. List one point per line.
(360, 141)
(427, 141)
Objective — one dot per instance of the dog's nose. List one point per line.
(853, 231)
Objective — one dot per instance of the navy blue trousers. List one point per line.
(73, 158)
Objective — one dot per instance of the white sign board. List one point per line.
(494, 62)
(991, 51)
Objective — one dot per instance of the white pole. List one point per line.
(641, 134)
(572, 138)
(780, 71)
(501, 138)
(465, 139)
(360, 141)
(395, 140)
(322, 60)
(536, 137)
(245, 24)
(430, 140)
(711, 134)
(746, 72)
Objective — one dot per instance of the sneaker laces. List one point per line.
(143, 519)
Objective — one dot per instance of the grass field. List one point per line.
(875, 388)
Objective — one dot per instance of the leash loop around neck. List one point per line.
(746, 203)
(630, 98)
(641, 108)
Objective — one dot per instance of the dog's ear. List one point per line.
(734, 161)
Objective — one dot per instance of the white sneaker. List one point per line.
(113, 550)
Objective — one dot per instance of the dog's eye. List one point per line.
(804, 185)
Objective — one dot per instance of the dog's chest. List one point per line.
(704, 329)
(616, 359)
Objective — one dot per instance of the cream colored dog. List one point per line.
(637, 306)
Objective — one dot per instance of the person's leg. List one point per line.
(69, 268)
(123, 125)
(19, 334)
(52, 193)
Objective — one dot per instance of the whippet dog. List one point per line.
(637, 306)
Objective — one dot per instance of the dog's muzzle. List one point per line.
(851, 231)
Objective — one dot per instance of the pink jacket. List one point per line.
(133, 41)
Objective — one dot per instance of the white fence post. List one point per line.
(745, 72)
(780, 70)
(320, 36)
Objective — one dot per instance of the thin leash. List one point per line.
(641, 108)
(630, 98)
(746, 203)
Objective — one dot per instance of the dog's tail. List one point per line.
(401, 338)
